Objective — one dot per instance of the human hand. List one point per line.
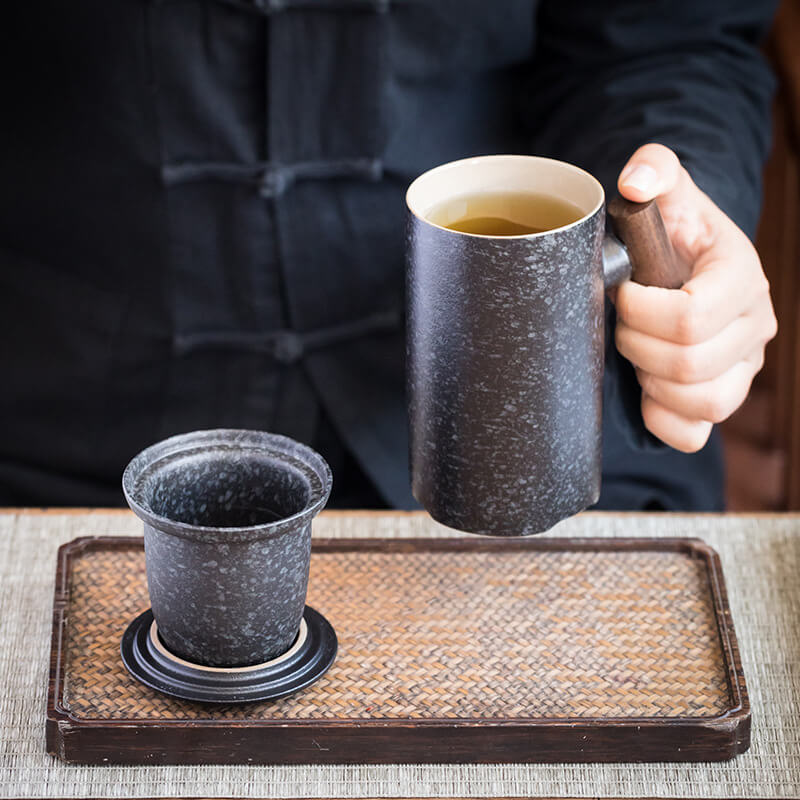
(695, 349)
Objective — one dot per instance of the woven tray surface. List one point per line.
(454, 634)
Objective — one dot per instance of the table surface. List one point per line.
(761, 560)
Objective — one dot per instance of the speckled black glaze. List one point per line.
(227, 531)
(504, 370)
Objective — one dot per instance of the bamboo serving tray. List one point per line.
(450, 651)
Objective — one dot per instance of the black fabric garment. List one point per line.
(201, 211)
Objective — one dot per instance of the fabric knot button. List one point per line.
(287, 347)
(274, 182)
(270, 6)
(374, 169)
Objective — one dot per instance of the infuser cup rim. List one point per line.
(282, 448)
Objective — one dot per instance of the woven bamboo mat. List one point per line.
(761, 558)
(455, 634)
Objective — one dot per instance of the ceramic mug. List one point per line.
(227, 535)
(505, 344)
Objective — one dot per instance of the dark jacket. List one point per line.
(201, 209)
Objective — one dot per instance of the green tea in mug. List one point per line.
(504, 213)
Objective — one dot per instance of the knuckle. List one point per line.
(694, 438)
(717, 408)
(688, 366)
(686, 327)
(690, 322)
(621, 339)
(646, 382)
(761, 289)
(622, 304)
(772, 325)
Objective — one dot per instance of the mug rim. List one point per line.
(461, 162)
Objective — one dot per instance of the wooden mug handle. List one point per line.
(641, 229)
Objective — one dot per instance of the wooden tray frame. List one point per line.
(501, 740)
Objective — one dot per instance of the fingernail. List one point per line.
(642, 177)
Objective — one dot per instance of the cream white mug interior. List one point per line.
(505, 173)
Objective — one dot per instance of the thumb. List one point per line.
(652, 171)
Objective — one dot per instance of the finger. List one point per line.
(689, 363)
(690, 217)
(686, 435)
(651, 171)
(702, 308)
(713, 401)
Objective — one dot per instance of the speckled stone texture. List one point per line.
(227, 528)
(504, 370)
